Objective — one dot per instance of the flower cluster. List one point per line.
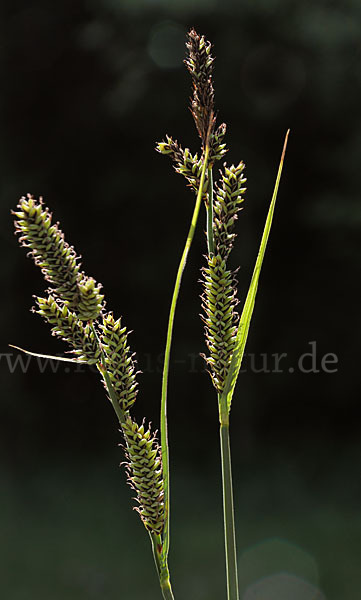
(119, 361)
(220, 319)
(219, 283)
(227, 201)
(69, 328)
(58, 261)
(199, 63)
(75, 311)
(219, 299)
(144, 464)
(185, 163)
(144, 469)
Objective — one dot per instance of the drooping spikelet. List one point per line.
(185, 163)
(220, 286)
(226, 205)
(144, 468)
(220, 319)
(119, 361)
(67, 326)
(188, 164)
(57, 260)
(49, 250)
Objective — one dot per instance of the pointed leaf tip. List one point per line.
(285, 146)
(48, 356)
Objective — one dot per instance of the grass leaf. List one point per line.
(49, 356)
(225, 399)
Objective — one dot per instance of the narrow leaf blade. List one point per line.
(49, 356)
(246, 316)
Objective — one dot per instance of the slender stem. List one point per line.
(167, 589)
(228, 514)
(163, 412)
(156, 545)
(210, 240)
(163, 574)
(227, 486)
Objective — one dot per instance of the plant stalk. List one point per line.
(163, 411)
(210, 240)
(163, 574)
(165, 586)
(228, 514)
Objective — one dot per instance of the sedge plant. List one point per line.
(74, 307)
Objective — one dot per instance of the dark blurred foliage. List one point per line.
(87, 88)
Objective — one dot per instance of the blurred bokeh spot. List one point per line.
(271, 557)
(283, 587)
(166, 45)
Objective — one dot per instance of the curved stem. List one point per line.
(163, 412)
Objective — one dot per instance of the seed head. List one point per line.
(199, 62)
(217, 146)
(67, 326)
(220, 318)
(58, 261)
(90, 300)
(226, 205)
(119, 361)
(144, 467)
(185, 163)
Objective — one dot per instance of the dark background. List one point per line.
(87, 88)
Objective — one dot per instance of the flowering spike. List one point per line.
(90, 299)
(119, 361)
(199, 63)
(226, 205)
(144, 468)
(217, 146)
(220, 319)
(220, 286)
(185, 163)
(67, 326)
(57, 260)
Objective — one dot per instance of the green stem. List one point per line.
(167, 589)
(156, 547)
(227, 486)
(228, 514)
(163, 573)
(210, 240)
(163, 411)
